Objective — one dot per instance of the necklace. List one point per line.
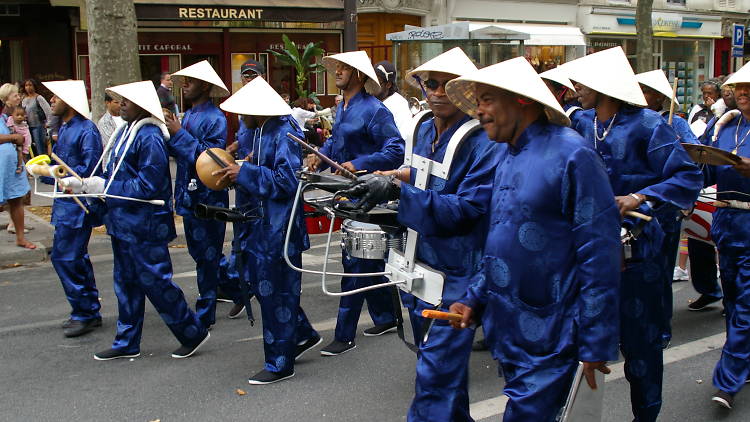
(597, 138)
(738, 144)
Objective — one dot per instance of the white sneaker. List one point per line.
(680, 275)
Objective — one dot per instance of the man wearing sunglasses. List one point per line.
(364, 138)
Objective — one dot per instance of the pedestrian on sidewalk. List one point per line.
(13, 185)
(268, 177)
(80, 147)
(38, 112)
(204, 126)
(730, 230)
(138, 167)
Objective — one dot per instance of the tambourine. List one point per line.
(704, 154)
(208, 162)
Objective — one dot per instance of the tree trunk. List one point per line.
(113, 48)
(644, 36)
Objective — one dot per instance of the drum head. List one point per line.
(709, 155)
(354, 225)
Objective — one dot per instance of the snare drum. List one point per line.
(368, 241)
(698, 225)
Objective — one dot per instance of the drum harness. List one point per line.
(402, 269)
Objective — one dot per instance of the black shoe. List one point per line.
(309, 344)
(479, 346)
(78, 328)
(266, 377)
(380, 329)
(337, 347)
(187, 351)
(236, 311)
(67, 323)
(222, 297)
(110, 354)
(723, 399)
(702, 302)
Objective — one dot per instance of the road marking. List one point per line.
(495, 406)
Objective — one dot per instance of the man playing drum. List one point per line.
(365, 137)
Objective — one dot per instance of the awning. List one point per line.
(541, 34)
(457, 31)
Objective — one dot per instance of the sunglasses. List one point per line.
(249, 76)
(433, 85)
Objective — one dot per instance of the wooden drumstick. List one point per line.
(66, 167)
(637, 214)
(72, 173)
(428, 313)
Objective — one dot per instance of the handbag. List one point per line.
(41, 116)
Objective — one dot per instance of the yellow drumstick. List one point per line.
(637, 214)
(428, 313)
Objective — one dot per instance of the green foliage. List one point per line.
(304, 62)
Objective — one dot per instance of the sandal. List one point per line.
(27, 245)
(12, 230)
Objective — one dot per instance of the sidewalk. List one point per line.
(43, 233)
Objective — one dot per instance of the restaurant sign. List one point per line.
(236, 13)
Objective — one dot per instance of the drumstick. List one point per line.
(66, 167)
(344, 172)
(637, 214)
(671, 105)
(428, 313)
(72, 173)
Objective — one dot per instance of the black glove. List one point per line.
(373, 189)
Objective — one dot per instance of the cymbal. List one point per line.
(704, 154)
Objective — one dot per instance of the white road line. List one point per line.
(495, 406)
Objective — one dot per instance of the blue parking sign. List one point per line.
(738, 38)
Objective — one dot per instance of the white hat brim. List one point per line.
(72, 93)
(514, 75)
(656, 80)
(257, 98)
(739, 77)
(453, 61)
(143, 94)
(358, 60)
(607, 72)
(205, 72)
(558, 75)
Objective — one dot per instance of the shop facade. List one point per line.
(173, 36)
(683, 44)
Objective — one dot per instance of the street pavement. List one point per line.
(46, 377)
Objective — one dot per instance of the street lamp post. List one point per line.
(350, 25)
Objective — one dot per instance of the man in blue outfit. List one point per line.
(268, 177)
(548, 288)
(365, 138)
(648, 170)
(448, 215)
(731, 233)
(137, 167)
(203, 126)
(228, 272)
(658, 91)
(79, 145)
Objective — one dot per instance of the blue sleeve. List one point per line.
(383, 130)
(588, 201)
(91, 151)
(684, 133)
(187, 148)
(278, 182)
(476, 295)
(152, 159)
(325, 150)
(434, 214)
(681, 180)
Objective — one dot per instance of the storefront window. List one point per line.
(689, 61)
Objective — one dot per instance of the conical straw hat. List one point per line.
(73, 93)
(142, 93)
(516, 76)
(453, 61)
(203, 71)
(358, 60)
(656, 80)
(559, 76)
(257, 98)
(607, 72)
(739, 77)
